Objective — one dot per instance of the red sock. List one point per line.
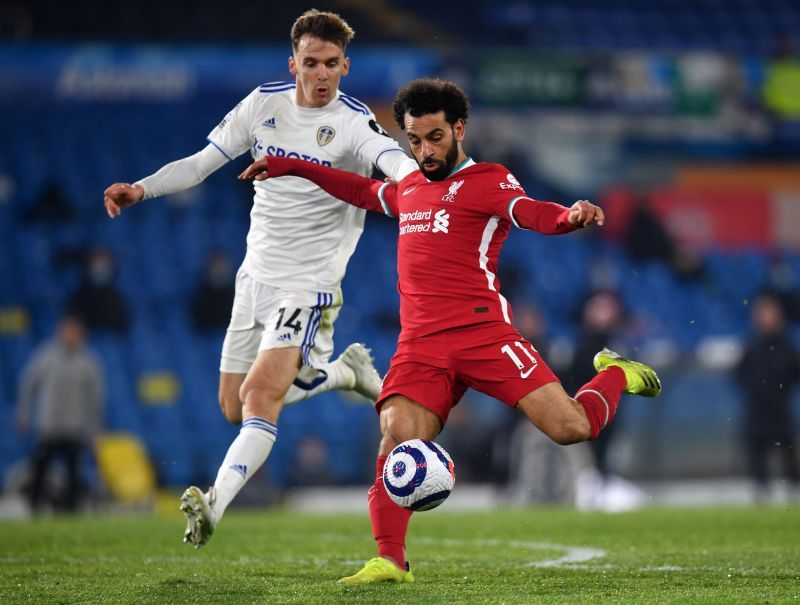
(389, 521)
(600, 397)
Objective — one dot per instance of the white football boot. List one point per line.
(359, 359)
(200, 515)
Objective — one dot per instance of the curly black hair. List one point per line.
(430, 95)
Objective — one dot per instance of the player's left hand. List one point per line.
(583, 213)
(258, 170)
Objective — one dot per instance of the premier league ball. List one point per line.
(418, 475)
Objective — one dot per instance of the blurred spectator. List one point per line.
(213, 299)
(530, 324)
(783, 280)
(767, 372)
(97, 300)
(602, 319)
(312, 464)
(648, 239)
(50, 206)
(61, 402)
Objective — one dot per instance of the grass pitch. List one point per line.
(731, 555)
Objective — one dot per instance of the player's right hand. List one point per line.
(121, 195)
(258, 170)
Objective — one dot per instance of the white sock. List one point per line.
(337, 375)
(245, 456)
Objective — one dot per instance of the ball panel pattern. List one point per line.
(418, 474)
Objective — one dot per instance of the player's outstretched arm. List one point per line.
(174, 177)
(121, 195)
(549, 218)
(351, 188)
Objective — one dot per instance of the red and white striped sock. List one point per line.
(600, 397)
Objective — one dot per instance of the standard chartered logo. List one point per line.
(419, 221)
(441, 221)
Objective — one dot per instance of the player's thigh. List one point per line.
(403, 419)
(230, 385)
(266, 383)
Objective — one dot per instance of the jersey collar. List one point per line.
(465, 164)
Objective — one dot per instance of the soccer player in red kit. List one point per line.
(454, 215)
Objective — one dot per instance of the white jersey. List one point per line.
(300, 237)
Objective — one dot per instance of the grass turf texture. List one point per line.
(734, 555)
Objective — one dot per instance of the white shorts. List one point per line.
(265, 318)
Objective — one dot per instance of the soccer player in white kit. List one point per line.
(288, 294)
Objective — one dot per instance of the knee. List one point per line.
(403, 420)
(394, 433)
(231, 407)
(259, 401)
(248, 394)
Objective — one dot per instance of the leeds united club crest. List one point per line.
(325, 135)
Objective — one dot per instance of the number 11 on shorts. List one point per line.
(524, 369)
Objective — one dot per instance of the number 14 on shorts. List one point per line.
(526, 365)
(293, 323)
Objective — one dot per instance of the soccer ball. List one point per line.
(418, 474)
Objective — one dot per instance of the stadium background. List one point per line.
(675, 102)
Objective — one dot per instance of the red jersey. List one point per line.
(450, 236)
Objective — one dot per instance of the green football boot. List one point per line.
(379, 570)
(642, 380)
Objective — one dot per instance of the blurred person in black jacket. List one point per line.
(213, 299)
(767, 372)
(97, 300)
(648, 239)
(602, 317)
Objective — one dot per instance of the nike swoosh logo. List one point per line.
(410, 189)
(528, 373)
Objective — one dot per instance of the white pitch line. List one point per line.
(574, 555)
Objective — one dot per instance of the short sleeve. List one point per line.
(505, 191)
(232, 135)
(508, 200)
(387, 194)
(371, 141)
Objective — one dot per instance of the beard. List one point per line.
(443, 167)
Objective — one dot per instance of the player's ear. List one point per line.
(346, 66)
(292, 66)
(459, 129)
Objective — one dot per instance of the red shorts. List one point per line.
(492, 358)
